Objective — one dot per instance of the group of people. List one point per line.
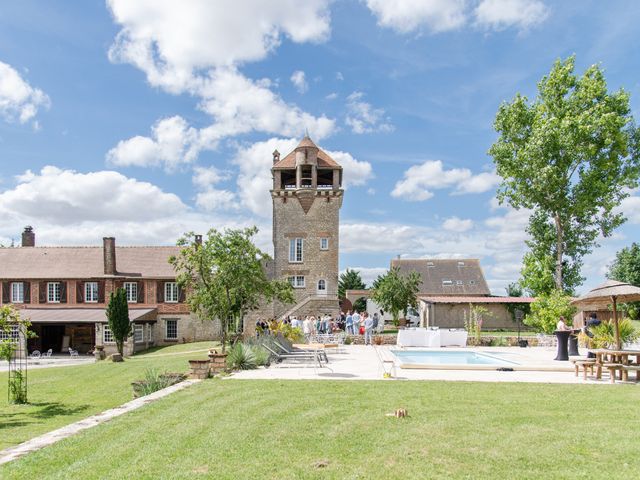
(352, 323)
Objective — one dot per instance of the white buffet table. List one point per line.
(422, 337)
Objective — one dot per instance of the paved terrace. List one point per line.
(359, 362)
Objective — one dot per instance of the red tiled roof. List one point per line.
(84, 262)
(476, 299)
(324, 160)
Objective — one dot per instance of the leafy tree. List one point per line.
(118, 317)
(547, 310)
(396, 292)
(516, 290)
(570, 156)
(351, 280)
(10, 320)
(225, 277)
(626, 268)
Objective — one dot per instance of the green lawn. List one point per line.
(59, 396)
(232, 429)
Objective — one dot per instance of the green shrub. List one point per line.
(547, 310)
(241, 357)
(604, 335)
(155, 380)
(263, 356)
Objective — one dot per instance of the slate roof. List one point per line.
(84, 262)
(80, 315)
(459, 276)
(475, 299)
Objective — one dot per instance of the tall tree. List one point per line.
(570, 156)
(118, 317)
(626, 268)
(351, 280)
(225, 277)
(396, 292)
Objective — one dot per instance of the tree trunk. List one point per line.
(559, 251)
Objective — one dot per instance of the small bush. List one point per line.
(154, 380)
(241, 357)
(263, 356)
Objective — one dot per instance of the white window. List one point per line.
(132, 291)
(138, 333)
(324, 243)
(295, 250)
(107, 335)
(447, 282)
(297, 281)
(322, 286)
(431, 264)
(149, 332)
(171, 332)
(13, 334)
(459, 282)
(91, 292)
(17, 292)
(461, 264)
(53, 292)
(171, 292)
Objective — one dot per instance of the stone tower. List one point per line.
(307, 197)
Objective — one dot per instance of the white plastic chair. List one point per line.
(35, 354)
(73, 353)
(48, 353)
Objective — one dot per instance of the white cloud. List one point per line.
(420, 180)
(405, 16)
(630, 206)
(435, 16)
(208, 197)
(172, 144)
(299, 81)
(240, 105)
(19, 100)
(502, 14)
(339, 76)
(368, 274)
(355, 172)
(66, 196)
(363, 118)
(173, 42)
(331, 96)
(455, 224)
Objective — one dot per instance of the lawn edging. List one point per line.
(49, 438)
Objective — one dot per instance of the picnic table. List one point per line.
(617, 361)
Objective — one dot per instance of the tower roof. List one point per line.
(324, 159)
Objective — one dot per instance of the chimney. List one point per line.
(198, 241)
(28, 237)
(109, 250)
(276, 156)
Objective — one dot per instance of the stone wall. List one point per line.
(451, 315)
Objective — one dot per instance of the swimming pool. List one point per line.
(450, 358)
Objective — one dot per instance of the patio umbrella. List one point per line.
(610, 292)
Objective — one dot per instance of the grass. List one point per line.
(62, 395)
(231, 429)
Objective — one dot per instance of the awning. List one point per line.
(81, 315)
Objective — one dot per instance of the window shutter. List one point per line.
(181, 294)
(42, 294)
(63, 292)
(101, 291)
(6, 294)
(27, 291)
(160, 292)
(141, 292)
(79, 292)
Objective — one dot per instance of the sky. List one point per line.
(144, 120)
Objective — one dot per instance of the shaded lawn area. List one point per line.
(233, 429)
(62, 395)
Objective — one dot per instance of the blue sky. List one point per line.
(147, 119)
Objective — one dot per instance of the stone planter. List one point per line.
(218, 362)
(199, 369)
(116, 357)
(99, 354)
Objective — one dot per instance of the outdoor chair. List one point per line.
(35, 354)
(73, 353)
(48, 353)
(304, 357)
(298, 351)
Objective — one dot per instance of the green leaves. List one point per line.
(570, 156)
(547, 310)
(225, 277)
(395, 292)
(118, 317)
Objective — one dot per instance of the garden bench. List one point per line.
(631, 368)
(613, 368)
(586, 364)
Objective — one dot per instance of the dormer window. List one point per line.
(447, 283)
(461, 264)
(431, 264)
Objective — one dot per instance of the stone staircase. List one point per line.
(313, 305)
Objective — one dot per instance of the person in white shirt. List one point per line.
(368, 329)
(356, 323)
(562, 325)
(307, 329)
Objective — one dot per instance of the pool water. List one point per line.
(436, 357)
